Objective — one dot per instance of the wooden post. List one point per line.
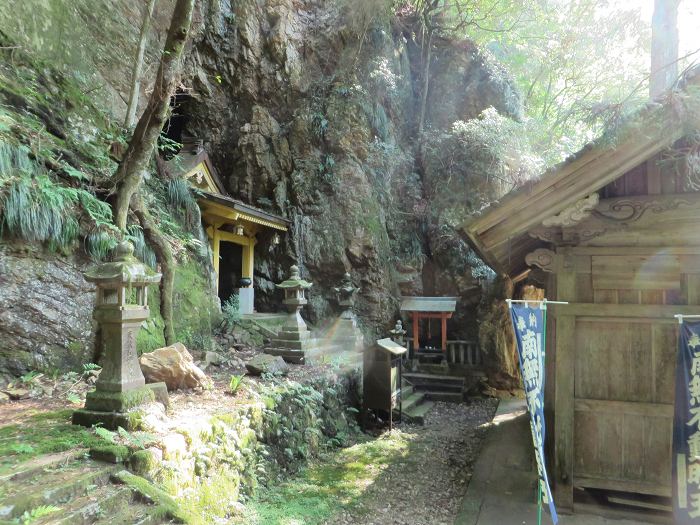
(443, 321)
(564, 413)
(248, 262)
(215, 243)
(565, 356)
(416, 344)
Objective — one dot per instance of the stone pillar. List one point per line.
(121, 307)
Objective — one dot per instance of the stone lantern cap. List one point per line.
(295, 281)
(124, 269)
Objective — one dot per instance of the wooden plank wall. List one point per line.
(614, 362)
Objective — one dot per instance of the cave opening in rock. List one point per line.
(230, 269)
(174, 135)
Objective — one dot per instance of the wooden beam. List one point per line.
(443, 327)
(635, 250)
(416, 333)
(237, 239)
(659, 312)
(564, 411)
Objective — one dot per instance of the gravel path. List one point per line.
(426, 485)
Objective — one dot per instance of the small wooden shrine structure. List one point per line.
(614, 231)
(381, 383)
(226, 220)
(419, 308)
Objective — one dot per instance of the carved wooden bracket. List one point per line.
(575, 213)
(542, 258)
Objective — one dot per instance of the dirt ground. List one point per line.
(413, 475)
(426, 486)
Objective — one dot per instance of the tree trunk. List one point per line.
(143, 142)
(138, 66)
(426, 85)
(167, 263)
(664, 46)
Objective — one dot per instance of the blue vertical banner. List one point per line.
(529, 327)
(686, 428)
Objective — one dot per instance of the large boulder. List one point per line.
(174, 366)
(266, 364)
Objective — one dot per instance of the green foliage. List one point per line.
(109, 436)
(137, 440)
(166, 505)
(600, 60)
(38, 210)
(167, 146)
(35, 208)
(319, 124)
(179, 195)
(30, 516)
(142, 250)
(326, 488)
(231, 311)
(235, 383)
(74, 398)
(29, 377)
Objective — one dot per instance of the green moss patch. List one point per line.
(166, 506)
(324, 489)
(110, 453)
(44, 433)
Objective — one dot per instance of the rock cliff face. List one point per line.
(309, 115)
(45, 309)
(307, 119)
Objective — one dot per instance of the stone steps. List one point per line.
(414, 399)
(53, 486)
(448, 397)
(414, 405)
(81, 489)
(416, 414)
(437, 387)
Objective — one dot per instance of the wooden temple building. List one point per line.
(614, 230)
(233, 227)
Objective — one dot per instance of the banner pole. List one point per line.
(543, 307)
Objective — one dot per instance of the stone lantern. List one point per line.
(295, 338)
(121, 307)
(347, 335)
(346, 294)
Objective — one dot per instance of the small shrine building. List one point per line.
(613, 230)
(233, 227)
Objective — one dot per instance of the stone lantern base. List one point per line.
(113, 409)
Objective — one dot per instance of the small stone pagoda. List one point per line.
(121, 307)
(294, 340)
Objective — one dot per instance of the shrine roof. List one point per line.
(247, 212)
(500, 232)
(428, 304)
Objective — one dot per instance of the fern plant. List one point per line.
(138, 440)
(180, 197)
(29, 516)
(235, 383)
(141, 249)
